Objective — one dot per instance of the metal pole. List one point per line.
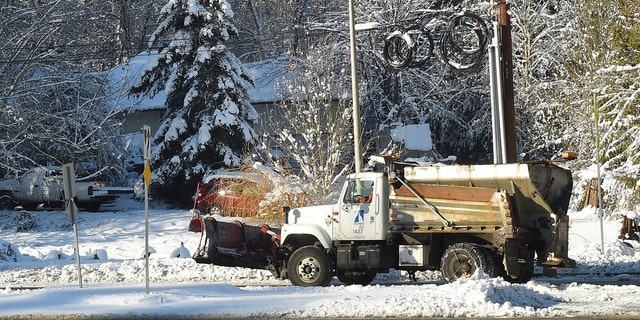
(146, 234)
(146, 134)
(75, 232)
(508, 114)
(354, 92)
(495, 81)
(596, 113)
(70, 193)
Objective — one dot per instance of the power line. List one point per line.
(279, 36)
(98, 55)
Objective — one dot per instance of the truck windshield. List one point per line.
(359, 191)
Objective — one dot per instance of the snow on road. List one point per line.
(115, 283)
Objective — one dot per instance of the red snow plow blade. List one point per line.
(234, 244)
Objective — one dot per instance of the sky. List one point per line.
(115, 283)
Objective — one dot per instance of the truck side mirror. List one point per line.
(285, 211)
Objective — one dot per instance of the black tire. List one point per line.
(6, 203)
(462, 260)
(526, 269)
(309, 266)
(361, 277)
(92, 207)
(30, 206)
(526, 273)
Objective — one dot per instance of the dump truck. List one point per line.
(500, 219)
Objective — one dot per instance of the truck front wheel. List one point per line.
(309, 266)
(462, 260)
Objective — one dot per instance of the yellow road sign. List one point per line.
(147, 173)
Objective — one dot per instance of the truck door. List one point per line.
(28, 186)
(359, 211)
(50, 185)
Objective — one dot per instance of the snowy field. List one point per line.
(114, 283)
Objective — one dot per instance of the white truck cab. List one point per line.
(360, 214)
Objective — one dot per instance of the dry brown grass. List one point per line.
(262, 200)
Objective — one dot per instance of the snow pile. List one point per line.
(475, 297)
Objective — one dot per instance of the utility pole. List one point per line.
(357, 148)
(507, 112)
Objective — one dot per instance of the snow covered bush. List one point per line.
(314, 121)
(7, 252)
(24, 222)
(287, 191)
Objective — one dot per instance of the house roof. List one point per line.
(121, 78)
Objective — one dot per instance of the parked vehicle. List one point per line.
(498, 219)
(231, 193)
(44, 186)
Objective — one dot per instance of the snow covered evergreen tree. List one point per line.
(209, 119)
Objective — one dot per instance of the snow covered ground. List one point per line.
(114, 284)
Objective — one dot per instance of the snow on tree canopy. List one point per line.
(195, 9)
(177, 126)
(204, 135)
(204, 54)
(228, 115)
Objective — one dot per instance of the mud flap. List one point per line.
(513, 257)
(559, 255)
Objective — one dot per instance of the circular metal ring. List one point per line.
(464, 41)
(399, 49)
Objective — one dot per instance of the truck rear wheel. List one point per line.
(361, 277)
(526, 269)
(309, 266)
(92, 207)
(526, 273)
(6, 203)
(462, 260)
